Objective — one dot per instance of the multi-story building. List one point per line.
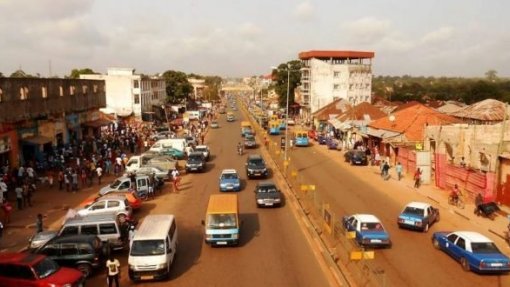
(37, 115)
(129, 93)
(198, 87)
(330, 75)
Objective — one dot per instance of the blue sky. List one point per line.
(244, 38)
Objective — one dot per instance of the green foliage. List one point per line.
(213, 86)
(1, 75)
(177, 86)
(422, 89)
(20, 74)
(75, 73)
(290, 70)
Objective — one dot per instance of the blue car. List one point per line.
(322, 139)
(473, 250)
(368, 230)
(229, 180)
(418, 216)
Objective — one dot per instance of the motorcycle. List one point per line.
(240, 150)
(487, 210)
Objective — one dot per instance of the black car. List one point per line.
(356, 157)
(249, 141)
(83, 252)
(256, 166)
(195, 162)
(268, 195)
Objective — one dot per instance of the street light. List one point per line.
(286, 111)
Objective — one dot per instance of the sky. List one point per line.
(237, 38)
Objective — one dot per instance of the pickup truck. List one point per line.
(418, 216)
(150, 159)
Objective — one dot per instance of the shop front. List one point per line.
(92, 123)
(8, 148)
(72, 129)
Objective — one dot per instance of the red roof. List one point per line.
(359, 111)
(412, 121)
(336, 54)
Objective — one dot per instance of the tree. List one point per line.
(1, 75)
(177, 86)
(75, 73)
(213, 85)
(289, 70)
(492, 75)
(20, 74)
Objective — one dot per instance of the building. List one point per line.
(38, 115)
(198, 87)
(330, 75)
(129, 93)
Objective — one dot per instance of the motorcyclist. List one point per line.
(239, 148)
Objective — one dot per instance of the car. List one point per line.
(158, 172)
(116, 205)
(230, 118)
(321, 138)
(214, 124)
(27, 269)
(291, 122)
(134, 201)
(83, 252)
(256, 166)
(229, 180)
(40, 238)
(173, 152)
(268, 195)
(249, 141)
(190, 141)
(203, 149)
(474, 251)
(195, 162)
(332, 143)
(163, 135)
(312, 134)
(418, 216)
(356, 157)
(368, 230)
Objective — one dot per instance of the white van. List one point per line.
(152, 250)
(160, 145)
(193, 115)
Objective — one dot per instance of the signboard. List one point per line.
(419, 146)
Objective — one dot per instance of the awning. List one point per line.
(37, 140)
(335, 123)
(381, 133)
(97, 123)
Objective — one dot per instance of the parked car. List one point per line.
(267, 194)
(133, 199)
(173, 152)
(249, 141)
(148, 170)
(332, 143)
(356, 157)
(229, 180)
(256, 166)
(39, 239)
(312, 134)
(163, 135)
(195, 162)
(117, 205)
(215, 124)
(321, 138)
(123, 184)
(203, 149)
(26, 269)
(291, 122)
(83, 252)
(418, 215)
(368, 230)
(474, 251)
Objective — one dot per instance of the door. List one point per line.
(142, 184)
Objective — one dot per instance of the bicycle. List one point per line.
(459, 201)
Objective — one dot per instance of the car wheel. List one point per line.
(464, 263)
(435, 242)
(85, 269)
(426, 228)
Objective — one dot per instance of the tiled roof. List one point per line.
(359, 111)
(486, 110)
(411, 121)
(336, 107)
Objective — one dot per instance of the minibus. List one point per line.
(221, 224)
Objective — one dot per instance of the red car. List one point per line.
(35, 270)
(312, 134)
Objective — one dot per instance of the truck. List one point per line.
(150, 159)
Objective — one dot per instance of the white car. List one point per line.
(203, 149)
(291, 122)
(119, 206)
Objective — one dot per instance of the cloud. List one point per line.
(440, 35)
(305, 11)
(367, 30)
(250, 30)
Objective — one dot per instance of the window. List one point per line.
(50, 250)
(136, 84)
(71, 90)
(94, 88)
(336, 74)
(68, 249)
(98, 205)
(112, 204)
(44, 92)
(24, 272)
(69, 230)
(84, 89)
(137, 99)
(61, 91)
(85, 249)
(23, 93)
(107, 228)
(89, 229)
(336, 86)
(461, 243)
(452, 237)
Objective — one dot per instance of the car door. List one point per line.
(112, 205)
(458, 250)
(52, 251)
(68, 254)
(142, 184)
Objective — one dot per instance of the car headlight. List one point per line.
(223, 184)
(250, 170)
(67, 285)
(235, 236)
(131, 267)
(162, 266)
(277, 200)
(237, 184)
(260, 200)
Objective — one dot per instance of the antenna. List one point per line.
(49, 69)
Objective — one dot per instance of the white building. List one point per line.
(198, 87)
(330, 75)
(129, 93)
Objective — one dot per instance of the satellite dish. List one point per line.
(392, 118)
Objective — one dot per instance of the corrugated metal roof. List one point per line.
(486, 110)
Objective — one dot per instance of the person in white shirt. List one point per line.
(113, 267)
(3, 190)
(99, 172)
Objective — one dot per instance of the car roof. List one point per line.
(473, 236)
(228, 170)
(75, 238)
(121, 195)
(366, 218)
(105, 217)
(416, 204)
(254, 156)
(201, 146)
(266, 183)
(197, 153)
(20, 258)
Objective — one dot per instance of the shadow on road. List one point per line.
(250, 227)
(190, 243)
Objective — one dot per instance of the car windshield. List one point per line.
(200, 149)
(221, 221)
(267, 189)
(229, 176)
(115, 184)
(255, 162)
(484, 247)
(195, 159)
(148, 247)
(371, 226)
(45, 268)
(414, 211)
(249, 138)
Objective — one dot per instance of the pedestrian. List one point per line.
(67, 180)
(60, 179)
(398, 169)
(7, 207)
(417, 178)
(50, 179)
(99, 172)
(113, 267)
(175, 179)
(3, 190)
(83, 177)
(30, 192)
(381, 168)
(1, 229)
(19, 196)
(39, 223)
(131, 233)
(150, 189)
(385, 170)
(74, 178)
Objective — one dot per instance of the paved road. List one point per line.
(273, 251)
(412, 261)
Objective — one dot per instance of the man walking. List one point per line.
(99, 172)
(113, 267)
(398, 169)
(19, 196)
(39, 223)
(175, 179)
(417, 178)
